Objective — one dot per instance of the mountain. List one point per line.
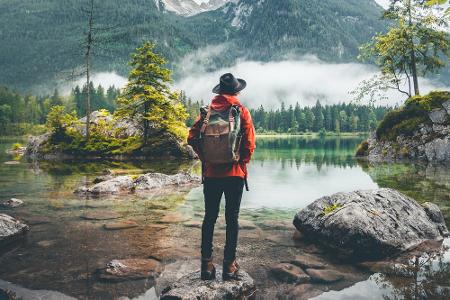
(42, 40)
(188, 7)
(332, 29)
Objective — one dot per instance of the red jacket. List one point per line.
(239, 169)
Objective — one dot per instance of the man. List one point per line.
(224, 178)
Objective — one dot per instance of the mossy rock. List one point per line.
(406, 119)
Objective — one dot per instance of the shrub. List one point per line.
(362, 148)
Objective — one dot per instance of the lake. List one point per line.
(62, 251)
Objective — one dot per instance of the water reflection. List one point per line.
(423, 277)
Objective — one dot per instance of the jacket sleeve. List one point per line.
(248, 144)
(194, 134)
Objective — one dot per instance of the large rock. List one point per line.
(446, 106)
(438, 149)
(116, 185)
(191, 287)
(11, 228)
(438, 116)
(370, 224)
(153, 181)
(143, 183)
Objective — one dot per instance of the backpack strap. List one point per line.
(206, 120)
(232, 117)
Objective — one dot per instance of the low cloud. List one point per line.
(105, 79)
(305, 80)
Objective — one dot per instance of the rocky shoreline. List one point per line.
(277, 259)
(429, 141)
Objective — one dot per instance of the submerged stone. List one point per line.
(100, 215)
(191, 287)
(119, 225)
(369, 224)
(325, 276)
(11, 228)
(131, 269)
(290, 273)
(307, 261)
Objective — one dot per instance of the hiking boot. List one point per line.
(230, 270)
(208, 271)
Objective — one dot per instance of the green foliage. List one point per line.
(415, 45)
(329, 209)
(148, 96)
(362, 148)
(406, 119)
(16, 146)
(66, 137)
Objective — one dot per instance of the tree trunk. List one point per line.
(88, 70)
(414, 72)
(413, 56)
(146, 123)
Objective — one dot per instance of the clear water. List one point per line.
(286, 175)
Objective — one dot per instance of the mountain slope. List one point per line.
(331, 29)
(42, 39)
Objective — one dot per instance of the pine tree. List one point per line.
(149, 98)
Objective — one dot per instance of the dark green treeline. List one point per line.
(293, 119)
(22, 114)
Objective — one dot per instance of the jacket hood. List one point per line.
(223, 102)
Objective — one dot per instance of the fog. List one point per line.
(106, 79)
(305, 80)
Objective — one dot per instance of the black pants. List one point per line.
(213, 189)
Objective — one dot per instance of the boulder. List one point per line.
(370, 224)
(144, 183)
(131, 269)
(446, 106)
(36, 144)
(191, 287)
(152, 181)
(438, 116)
(12, 203)
(438, 149)
(11, 228)
(116, 185)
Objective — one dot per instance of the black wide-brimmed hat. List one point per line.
(229, 85)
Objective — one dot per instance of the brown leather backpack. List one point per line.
(220, 135)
